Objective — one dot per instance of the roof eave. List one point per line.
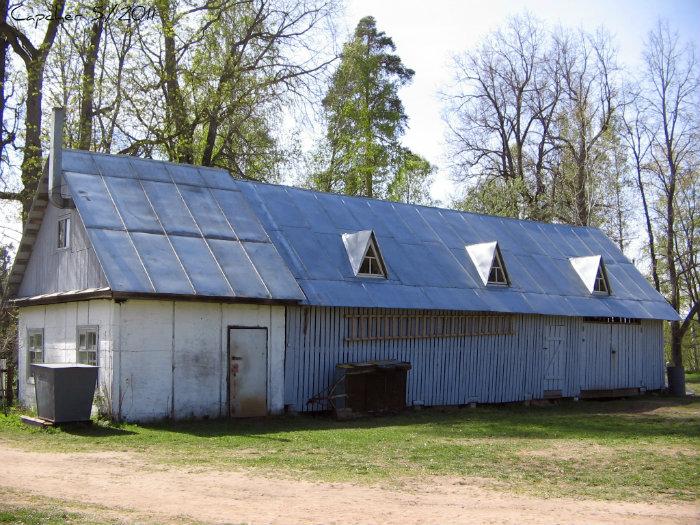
(69, 297)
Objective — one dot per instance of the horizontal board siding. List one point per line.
(484, 369)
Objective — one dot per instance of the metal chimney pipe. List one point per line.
(58, 116)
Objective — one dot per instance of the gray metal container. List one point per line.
(64, 392)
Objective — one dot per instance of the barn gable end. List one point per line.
(51, 269)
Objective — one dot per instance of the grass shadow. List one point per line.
(95, 430)
(615, 419)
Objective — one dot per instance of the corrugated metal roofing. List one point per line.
(166, 228)
(424, 250)
(159, 227)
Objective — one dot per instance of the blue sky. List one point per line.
(428, 34)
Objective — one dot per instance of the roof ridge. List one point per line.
(414, 205)
(339, 195)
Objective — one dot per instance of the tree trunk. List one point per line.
(581, 201)
(6, 138)
(88, 87)
(181, 148)
(650, 230)
(32, 160)
(34, 62)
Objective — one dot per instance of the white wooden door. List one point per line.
(554, 357)
(247, 350)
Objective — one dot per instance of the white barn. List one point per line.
(199, 295)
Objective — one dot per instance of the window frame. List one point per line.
(497, 264)
(30, 352)
(87, 329)
(374, 258)
(65, 219)
(601, 276)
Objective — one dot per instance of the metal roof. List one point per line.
(428, 265)
(187, 231)
(163, 228)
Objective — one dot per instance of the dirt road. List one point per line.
(129, 483)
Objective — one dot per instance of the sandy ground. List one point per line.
(143, 491)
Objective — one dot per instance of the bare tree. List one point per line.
(671, 90)
(637, 137)
(585, 130)
(500, 116)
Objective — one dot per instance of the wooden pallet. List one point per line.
(36, 421)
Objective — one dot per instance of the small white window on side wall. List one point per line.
(63, 233)
(35, 349)
(87, 345)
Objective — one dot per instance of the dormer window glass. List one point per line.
(497, 274)
(601, 283)
(371, 265)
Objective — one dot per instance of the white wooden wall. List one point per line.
(158, 359)
(171, 357)
(60, 322)
(485, 369)
(59, 270)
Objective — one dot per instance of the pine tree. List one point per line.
(365, 116)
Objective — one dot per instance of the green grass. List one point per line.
(644, 448)
(692, 382)
(30, 516)
(21, 508)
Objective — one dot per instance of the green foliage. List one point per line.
(8, 318)
(690, 347)
(366, 119)
(493, 197)
(235, 102)
(412, 181)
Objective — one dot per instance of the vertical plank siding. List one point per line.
(52, 270)
(483, 369)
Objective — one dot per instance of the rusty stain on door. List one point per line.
(247, 350)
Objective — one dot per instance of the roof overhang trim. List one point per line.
(106, 293)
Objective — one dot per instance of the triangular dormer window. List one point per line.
(363, 251)
(488, 262)
(592, 272)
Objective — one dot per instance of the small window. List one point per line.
(35, 348)
(63, 232)
(488, 262)
(371, 264)
(497, 274)
(87, 345)
(591, 270)
(601, 283)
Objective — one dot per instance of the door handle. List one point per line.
(234, 358)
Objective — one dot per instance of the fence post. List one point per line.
(9, 397)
